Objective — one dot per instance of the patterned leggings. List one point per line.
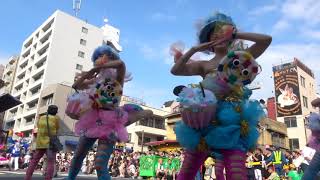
(51, 159)
(104, 151)
(314, 167)
(219, 169)
(233, 161)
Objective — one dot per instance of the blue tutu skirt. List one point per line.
(226, 135)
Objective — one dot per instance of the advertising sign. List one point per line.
(286, 83)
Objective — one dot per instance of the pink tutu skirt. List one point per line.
(199, 119)
(103, 124)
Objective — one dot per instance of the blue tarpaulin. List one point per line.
(71, 143)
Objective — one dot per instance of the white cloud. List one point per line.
(277, 54)
(154, 97)
(159, 16)
(263, 10)
(280, 26)
(310, 33)
(156, 52)
(302, 12)
(4, 58)
(147, 51)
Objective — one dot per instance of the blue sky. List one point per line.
(149, 27)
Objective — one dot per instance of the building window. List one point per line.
(150, 122)
(145, 140)
(48, 100)
(129, 137)
(84, 30)
(83, 42)
(278, 139)
(290, 121)
(302, 81)
(81, 54)
(143, 122)
(79, 67)
(294, 144)
(29, 120)
(160, 124)
(305, 101)
(10, 125)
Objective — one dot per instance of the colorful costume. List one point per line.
(232, 130)
(100, 116)
(314, 142)
(105, 120)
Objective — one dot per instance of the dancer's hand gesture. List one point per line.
(92, 73)
(204, 46)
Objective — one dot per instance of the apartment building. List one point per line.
(54, 53)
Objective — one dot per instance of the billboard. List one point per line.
(286, 82)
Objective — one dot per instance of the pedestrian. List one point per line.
(27, 158)
(43, 142)
(249, 165)
(258, 159)
(15, 155)
(278, 159)
(273, 175)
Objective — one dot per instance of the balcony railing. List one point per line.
(29, 123)
(156, 125)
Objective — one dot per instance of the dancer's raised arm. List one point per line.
(119, 65)
(182, 68)
(262, 42)
(85, 79)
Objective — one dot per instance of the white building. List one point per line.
(300, 80)
(147, 129)
(9, 74)
(54, 53)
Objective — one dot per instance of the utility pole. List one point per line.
(142, 140)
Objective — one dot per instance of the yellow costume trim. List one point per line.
(202, 146)
(244, 130)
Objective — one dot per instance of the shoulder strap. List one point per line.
(202, 90)
(47, 117)
(75, 90)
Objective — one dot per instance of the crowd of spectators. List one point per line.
(262, 163)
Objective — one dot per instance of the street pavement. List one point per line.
(19, 175)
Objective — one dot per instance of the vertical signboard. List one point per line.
(286, 82)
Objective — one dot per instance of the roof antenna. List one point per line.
(76, 6)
